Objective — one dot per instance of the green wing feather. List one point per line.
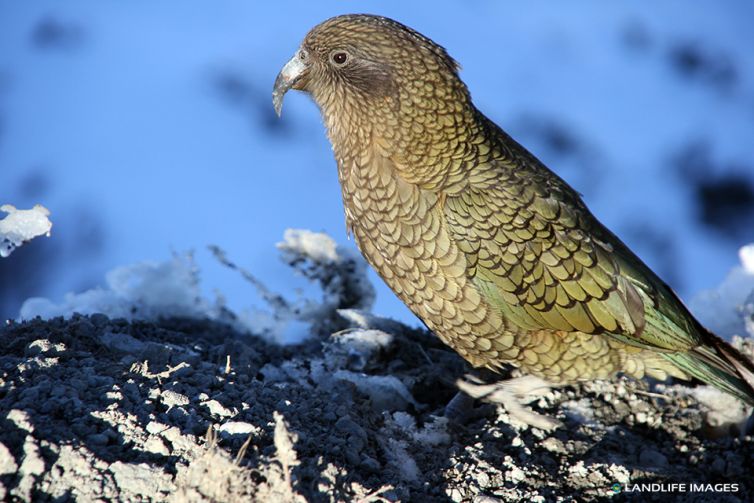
(546, 262)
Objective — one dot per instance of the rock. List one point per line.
(217, 410)
(232, 428)
(140, 479)
(172, 399)
(7, 463)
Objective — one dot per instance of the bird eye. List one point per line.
(302, 55)
(339, 58)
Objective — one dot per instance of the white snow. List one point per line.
(401, 460)
(434, 432)
(153, 290)
(315, 245)
(341, 274)
(746, 254)
(147, 290)
(385, 391)
(364, 342)
(367, 320)
(727, 310)
(721, 409)
(20, 226)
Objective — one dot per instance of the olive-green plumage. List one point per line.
(492, 250)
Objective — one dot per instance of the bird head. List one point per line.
(374, 68)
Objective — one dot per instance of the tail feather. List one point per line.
(743, 365)
(719, 364)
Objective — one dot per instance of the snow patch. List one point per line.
(153, 290)
(340, 273)
(21, 226)
(401, 461)
(726, 309)
(721, 410)
(434, 432)
(146, 290)
(316, 245)
(386, 392)
(746, 254)
(357, 349)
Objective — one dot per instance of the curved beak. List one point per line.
(288, 77)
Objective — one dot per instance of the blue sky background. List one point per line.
(147, 127)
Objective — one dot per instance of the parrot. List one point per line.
(493, 251)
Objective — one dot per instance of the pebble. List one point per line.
(33, 463)
(155, 427)
(484, 498)
(515, 475)
(350, 427)
(553, 444)
(238, 428)
(41, 346)
(140, 479)
(178, 415)
(7, 462)
(83, 328)
(21, 419)
(123, 343)
(482, 479)
(171, 399)
(173, 433)
(455, 494)
(155, 445)
(217, 409)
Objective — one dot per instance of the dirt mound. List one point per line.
(94, 408)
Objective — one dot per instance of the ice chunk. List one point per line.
(316, 245)
(21, 226)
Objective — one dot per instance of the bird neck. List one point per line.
(430, 141)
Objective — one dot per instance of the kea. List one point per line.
(494, 252)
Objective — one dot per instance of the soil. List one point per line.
(96, 409)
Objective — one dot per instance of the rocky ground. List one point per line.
(93, 408)
(193, 407)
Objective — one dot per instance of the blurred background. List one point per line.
(147, 127)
